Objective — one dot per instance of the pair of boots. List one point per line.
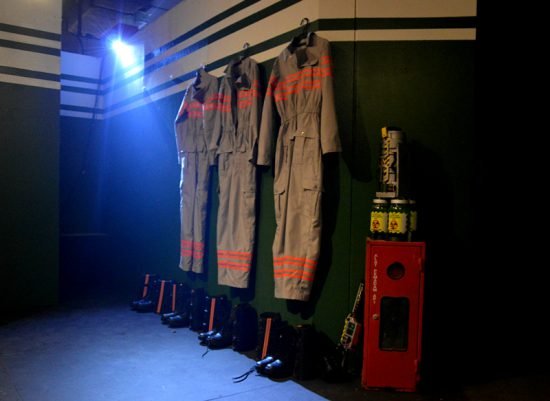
(187, 310)
(217, 339)
(217, 323)
(270, 366)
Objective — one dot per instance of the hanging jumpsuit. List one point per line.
(235, 144)
(300, 87)
(194, 129)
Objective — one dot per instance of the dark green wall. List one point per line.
(426, 88)
(29, 178)
(84, 253)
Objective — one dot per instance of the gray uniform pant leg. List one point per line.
(297, 241)
(195, 175)
(236, 219)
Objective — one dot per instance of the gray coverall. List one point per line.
(194, 128)
(301, 89)
(235, 143)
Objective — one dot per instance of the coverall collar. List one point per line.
(236, 71)
(303, 54)
(201, 84)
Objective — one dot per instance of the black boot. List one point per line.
(179, 320)
(196, 306)
(146, 290)
(164, 301)
(245, 328)
(179, 301)
(149, 303)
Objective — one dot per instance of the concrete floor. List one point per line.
(102, 351)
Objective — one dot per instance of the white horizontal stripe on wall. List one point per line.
(179, 20)
(187, 24)
(337, 9)
(77, 99)
(44, 15)
(80, 65)
(29, 60)
(416, 34)
(41, 83)
(188, 15)
(79, 114)
(261, 31)
(415, 8)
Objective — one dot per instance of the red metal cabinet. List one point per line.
(393, 314)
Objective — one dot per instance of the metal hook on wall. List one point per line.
(305, 31)
(244, 52)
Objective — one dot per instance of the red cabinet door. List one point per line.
(393, 314)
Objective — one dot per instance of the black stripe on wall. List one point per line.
(77, 78)
(30, 48)
(201, 27)
(87, 91)
(324, 24)
(83, 109)
(266, 45)
(416, 23)
(30, 32)
(29, 73)
(251, 19)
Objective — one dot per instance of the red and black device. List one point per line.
(352, 326)
(393, 315)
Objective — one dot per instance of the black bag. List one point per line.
(180, 297)
(269, 326)
(245, 327)
(308, 359)
(215, 313)
(195, 308)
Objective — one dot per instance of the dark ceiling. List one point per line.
(88, 23)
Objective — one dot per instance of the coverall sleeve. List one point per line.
(210, 116)
(266, 137)
(218, 124)
(180, 126)
(254, 113)
(330, 140)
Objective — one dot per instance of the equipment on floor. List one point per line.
(352, 327)
(245, 328)
(307, 352)
(196, 308)
(393, 314)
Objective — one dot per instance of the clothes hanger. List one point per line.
(242, 55)
(198, 74)
(302, 37)
(244, 52)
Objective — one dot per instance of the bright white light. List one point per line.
(124, 52)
